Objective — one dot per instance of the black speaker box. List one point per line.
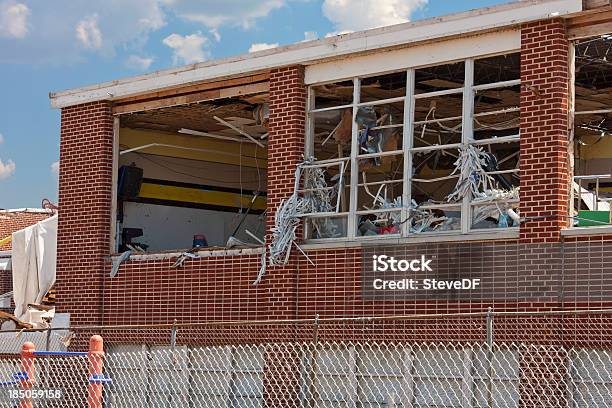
(130, 181)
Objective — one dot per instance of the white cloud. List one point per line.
(214, 13)
(187, 49)
(354, 15)
(6, 169)
(55, 168)
(1, 138)
(88, 33)
(64, 31)
(262, 46)
(138, 63)
(216, 35)
(310, 35)
(13, 19)
(61, 31)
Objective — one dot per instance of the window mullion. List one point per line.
(308, 146)
(352, 220)
(467, 135)
(407, 143)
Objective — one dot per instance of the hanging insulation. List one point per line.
(287, 218)
(473, 177)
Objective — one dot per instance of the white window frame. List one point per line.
(573, 113)
(409, 98)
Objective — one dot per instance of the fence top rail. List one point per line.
(324, 320)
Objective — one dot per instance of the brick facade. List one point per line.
(285, 151)
(86, 159)
(220, 288)
(544, 166)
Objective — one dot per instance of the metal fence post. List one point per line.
(26, 376)
(313, 361)
(490, 328)
(173, 335)
(490, 357)
(96, 370)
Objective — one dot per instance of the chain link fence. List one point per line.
(552, 359)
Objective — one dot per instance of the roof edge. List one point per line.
(26, 210)
(309, 52)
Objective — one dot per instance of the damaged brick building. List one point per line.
(480, 140)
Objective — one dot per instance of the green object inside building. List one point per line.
(593, 218)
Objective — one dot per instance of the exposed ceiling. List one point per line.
(200, 117)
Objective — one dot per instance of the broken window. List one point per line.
(592, 131)
(424, 170)
(192, 176)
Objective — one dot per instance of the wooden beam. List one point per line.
(209, 95)
(590, 25)
(197, 87)
(594, 4)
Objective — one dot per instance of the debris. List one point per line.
(317, 199)
(118, 261)
(255, 237)
(233, 241)
(261, 114)
(473, 177)
(423, 220)
(238, 130)
(188, 254)
(344, 131)
(262, 269)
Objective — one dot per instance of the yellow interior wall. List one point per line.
(600, 150)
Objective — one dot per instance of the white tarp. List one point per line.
(33, 262)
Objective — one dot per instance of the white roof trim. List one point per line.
(489, 43)
(315, 51)
(27, 210)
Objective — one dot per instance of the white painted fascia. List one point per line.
(305, 53)
(27, 210)
(443, 51)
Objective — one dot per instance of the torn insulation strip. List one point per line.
(318, 199)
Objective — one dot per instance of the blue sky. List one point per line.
(54, 45)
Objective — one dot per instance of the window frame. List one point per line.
(576, 230)
(468, 91)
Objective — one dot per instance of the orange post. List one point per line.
(26, 380)
(96, 369)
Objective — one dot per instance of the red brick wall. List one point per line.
(285, 150)
(544, 166)
(85, 208)
(206, 289)
(14, 221)
(221, 289)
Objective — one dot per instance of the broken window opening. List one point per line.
(460, 177)
(332, 134)
(332, 95)
(592, 142)
(193, 176)
(380, 189)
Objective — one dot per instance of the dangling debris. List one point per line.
(319, 198)
(473, 177)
